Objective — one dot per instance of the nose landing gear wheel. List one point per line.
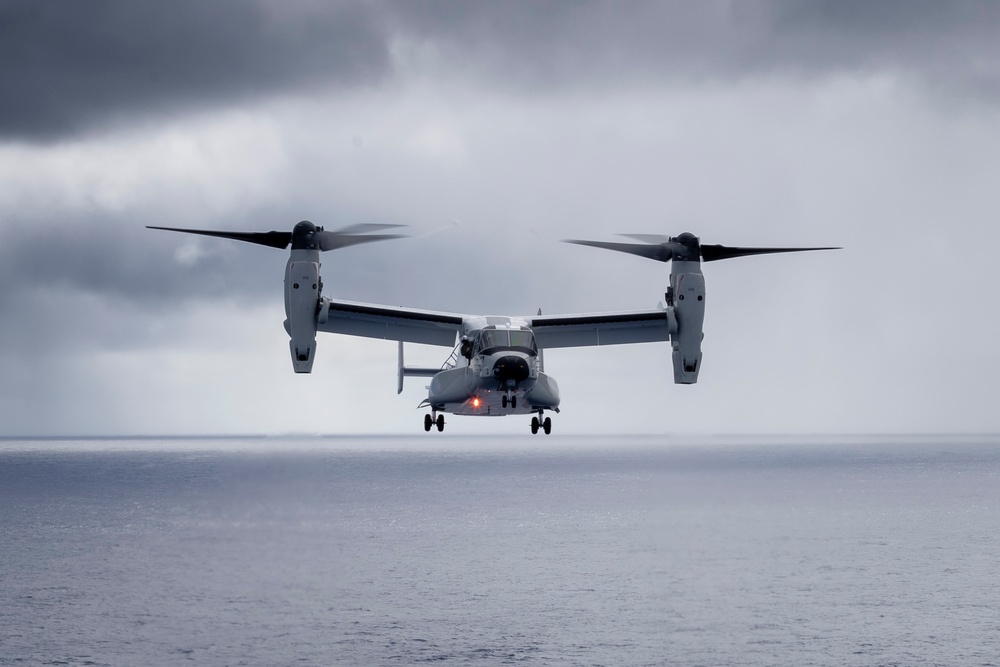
(534, 425)
(428, 422)
(503, 401)
(547, 425)
(440, 423)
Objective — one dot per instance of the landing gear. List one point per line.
(430, 421)
(544, 424)
(508, 399)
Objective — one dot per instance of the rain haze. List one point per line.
(493, 131)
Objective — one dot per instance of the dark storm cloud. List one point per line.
(71, 66)
(67, 66)
(950, 44)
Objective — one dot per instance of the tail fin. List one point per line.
(403, 371)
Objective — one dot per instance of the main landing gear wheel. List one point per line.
(430, 422)
(544, 424)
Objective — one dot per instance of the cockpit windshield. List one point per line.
(493, 338)
(520, 339)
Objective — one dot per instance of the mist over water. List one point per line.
(548, 551)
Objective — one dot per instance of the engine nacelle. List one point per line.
(302, 288)
(688, 289)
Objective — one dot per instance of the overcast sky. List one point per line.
(494, 130)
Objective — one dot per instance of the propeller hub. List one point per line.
(686, 248)
(303, 236)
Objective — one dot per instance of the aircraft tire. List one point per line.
(440, 423)
(427, 422)
(547, 425)
(534, 425)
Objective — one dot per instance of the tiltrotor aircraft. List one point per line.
(496, 366)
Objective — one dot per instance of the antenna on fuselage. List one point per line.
(541, 357)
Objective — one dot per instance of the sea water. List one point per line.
(553, 550)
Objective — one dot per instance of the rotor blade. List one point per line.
(272, 239)
(453, 224)
(648, 238)
(657, 252)
(710, 253)
(336, 240)
(364, 228)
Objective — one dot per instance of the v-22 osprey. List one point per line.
(496, 365)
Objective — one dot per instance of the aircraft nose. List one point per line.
(511, 368)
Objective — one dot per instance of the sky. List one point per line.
(493, 131)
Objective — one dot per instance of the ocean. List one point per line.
(445, 549)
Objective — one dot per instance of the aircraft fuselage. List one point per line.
(497, 371)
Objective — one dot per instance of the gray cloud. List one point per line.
(601, 44)
(113, 257)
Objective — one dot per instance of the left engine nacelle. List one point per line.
(687, 285)
(302, 288)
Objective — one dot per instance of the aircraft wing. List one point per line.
(370, 320)
(638, 326)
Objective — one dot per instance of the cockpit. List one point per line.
(491, 340)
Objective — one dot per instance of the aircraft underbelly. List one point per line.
(461, 392)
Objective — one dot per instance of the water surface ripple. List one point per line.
(558, 551)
